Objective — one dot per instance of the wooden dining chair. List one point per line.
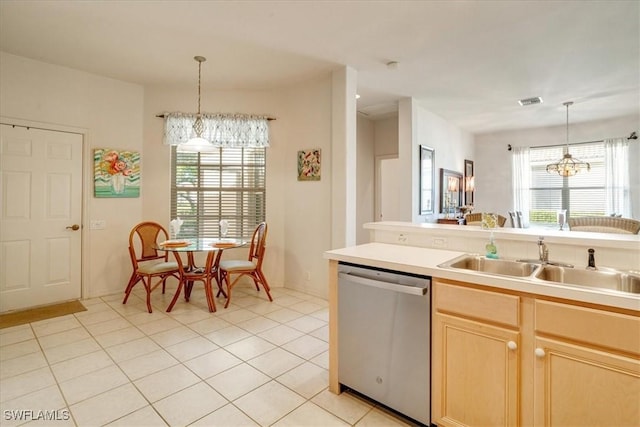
(148, 262)
(190, 274)
(605, 224)
(476, 219)
(252, 267)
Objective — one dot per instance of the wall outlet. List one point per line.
(439, 242)
(403, 238)
(98, 224)
(307, 275)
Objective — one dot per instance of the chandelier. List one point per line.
(197, 143)
(568, 165)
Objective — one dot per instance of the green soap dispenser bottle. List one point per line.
(492, 250)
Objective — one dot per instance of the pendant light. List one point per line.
(568, 165)
(198, 143)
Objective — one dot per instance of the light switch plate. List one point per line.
(98, 224)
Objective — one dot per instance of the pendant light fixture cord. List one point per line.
(567, 104)
(199, 79)
(200, 60)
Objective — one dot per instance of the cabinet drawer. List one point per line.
(477, 303)
(605, 329)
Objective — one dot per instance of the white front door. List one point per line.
(41, 195)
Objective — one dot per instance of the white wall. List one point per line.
(122, 115)
(343, 157)
(492, 167)
(365, 177)
(110, 113)
(386, 136)
(452, 146)
(306, 205)
(156, 160)
(298, 212)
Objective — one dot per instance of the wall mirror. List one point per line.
(469, 182)
(450, 191)
(427, 180)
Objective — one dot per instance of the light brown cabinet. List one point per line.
(587, 366)
(475, 354)
(500, 358)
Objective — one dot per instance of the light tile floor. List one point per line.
(255, 363)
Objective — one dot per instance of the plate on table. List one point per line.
(175, 243)
(223, 244)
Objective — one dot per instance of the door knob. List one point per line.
(74, 227)
(512, 345)
(540, 353)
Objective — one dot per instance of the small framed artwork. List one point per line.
(116, 173)
(427, 179)
(469, 182)
(309, 165)
(450, 191)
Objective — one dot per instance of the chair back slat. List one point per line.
(142, 239)
(258, 243)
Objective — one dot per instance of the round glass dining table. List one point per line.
(214, 248)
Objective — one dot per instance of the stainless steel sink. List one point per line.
(603, 278)
(483, 264)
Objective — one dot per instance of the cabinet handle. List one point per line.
(540, 353)
(512, 345)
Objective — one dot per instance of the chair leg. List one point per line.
(176, 296)
(264, 284)
(209, 293)
(219, 280)
(188, 287)
(229, 286)
(132, 282)
(147, 287)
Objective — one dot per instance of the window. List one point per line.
(581, 195)
(228, 183)
(602, 191)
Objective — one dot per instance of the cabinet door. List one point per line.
(580, 386)
(475, 376)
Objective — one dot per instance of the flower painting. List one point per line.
(309, 165)
(116, 173)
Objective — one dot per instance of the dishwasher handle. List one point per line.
(412, 290)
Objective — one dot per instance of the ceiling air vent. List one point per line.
(530, 101)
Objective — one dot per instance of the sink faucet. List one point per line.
(543, 251)
(592, 260)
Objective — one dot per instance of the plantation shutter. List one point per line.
(228, 183)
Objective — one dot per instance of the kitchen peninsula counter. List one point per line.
(425, 261)
(524, 324)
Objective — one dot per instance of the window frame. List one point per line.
(566, 188)
(205, 221)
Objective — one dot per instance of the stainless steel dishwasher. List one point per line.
(384, 337)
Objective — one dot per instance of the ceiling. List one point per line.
(466, 61)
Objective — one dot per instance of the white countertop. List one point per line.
(426, 260)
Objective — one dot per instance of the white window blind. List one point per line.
(228, 183)
(581, 195)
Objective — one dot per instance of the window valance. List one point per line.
(222, 130)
